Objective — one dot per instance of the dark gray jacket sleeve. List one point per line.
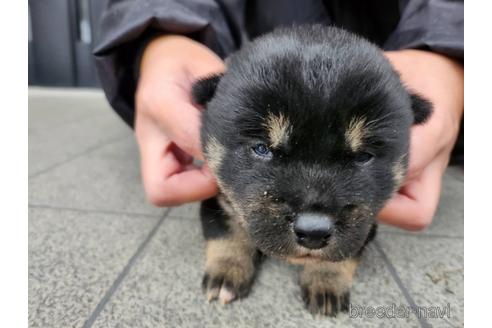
(435, 25)
(126, 27)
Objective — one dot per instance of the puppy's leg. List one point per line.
(231, 257)
(325, 286)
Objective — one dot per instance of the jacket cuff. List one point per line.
(431, 25)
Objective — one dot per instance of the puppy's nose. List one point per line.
(313, 230)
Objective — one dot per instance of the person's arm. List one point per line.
(167, 123)
(147, 56)
(427, 50)
(435, 26)
(126, 28)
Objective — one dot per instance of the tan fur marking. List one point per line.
(226, 206)
(227, 200)
(279, 129)
(215, 154)
(334, 276)
(227, 250)
(355, 133)
(230, 258)
(215, 151)
(328, 280)
(302, 261)
(398, 171)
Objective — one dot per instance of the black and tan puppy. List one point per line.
(308, 135)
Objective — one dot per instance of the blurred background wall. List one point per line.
(61, 37)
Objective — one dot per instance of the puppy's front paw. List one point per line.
(227, 281)
(324, 300)
(325, 286)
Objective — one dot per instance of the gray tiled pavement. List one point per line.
(100, 256)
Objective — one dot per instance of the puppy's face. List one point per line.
(308, 138)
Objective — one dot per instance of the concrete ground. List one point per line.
(100, 256)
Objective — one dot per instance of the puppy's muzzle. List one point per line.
(313, 230)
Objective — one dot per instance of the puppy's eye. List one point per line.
(262, 151)
(363, 158)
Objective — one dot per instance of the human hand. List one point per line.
(440, 80)
(167, 124)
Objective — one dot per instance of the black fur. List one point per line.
(422, 109)
(203, 90)
(214, 220)
(319, 79)
(370, 237)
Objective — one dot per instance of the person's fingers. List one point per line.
(421, 150)
(181, 122)
(431, 143)
(169, 182)
(181, 155)
(172, 108)
(172, 111)
(168, 175)
(413, 207)
(169, 67)
(184, 184)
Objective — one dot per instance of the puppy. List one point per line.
(307, 134)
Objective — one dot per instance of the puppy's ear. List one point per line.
(421, 107)
(203, 90)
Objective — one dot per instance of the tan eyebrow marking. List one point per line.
(356, 132)
(279, 129)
